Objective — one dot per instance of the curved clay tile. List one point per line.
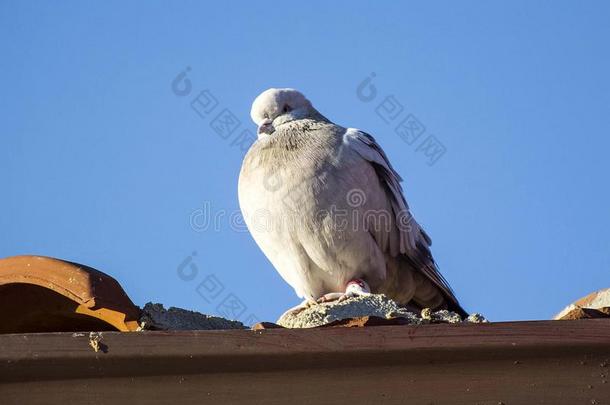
(594, 305)
(42, 294)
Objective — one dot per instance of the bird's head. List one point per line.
(275, 107)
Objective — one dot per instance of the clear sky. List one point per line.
(108, 159)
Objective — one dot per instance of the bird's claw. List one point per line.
(334, 296)
(355, 288)
(302, 306)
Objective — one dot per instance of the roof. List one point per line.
(358, 360)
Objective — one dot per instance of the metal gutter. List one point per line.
(551, 362)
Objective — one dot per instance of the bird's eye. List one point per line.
(266, 116)
(287, 108)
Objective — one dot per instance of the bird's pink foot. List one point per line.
(355, 288)
(303, 305)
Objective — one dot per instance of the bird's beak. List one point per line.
(266, 127)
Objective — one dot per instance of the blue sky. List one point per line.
(102, 162)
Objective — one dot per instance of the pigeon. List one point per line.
(326, 207)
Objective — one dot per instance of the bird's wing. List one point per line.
(414, 242)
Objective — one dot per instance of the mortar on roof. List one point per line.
(156, 317)
(374, 305)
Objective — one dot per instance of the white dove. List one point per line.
(326, 207)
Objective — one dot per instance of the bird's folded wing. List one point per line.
(414, 242)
